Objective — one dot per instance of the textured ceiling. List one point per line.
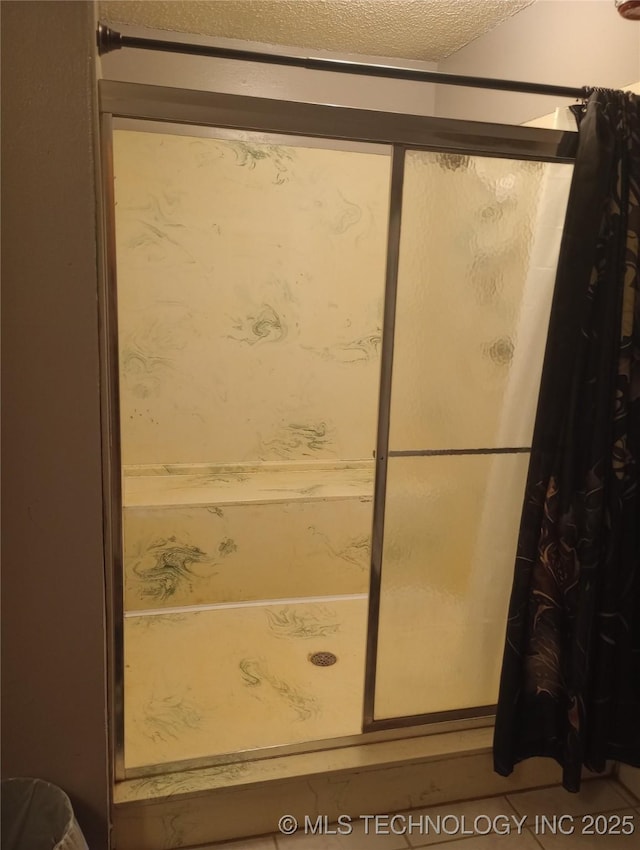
(408, 29)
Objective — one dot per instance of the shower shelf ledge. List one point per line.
(179, 485)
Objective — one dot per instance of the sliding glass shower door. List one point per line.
(325, 342)
(477, 255)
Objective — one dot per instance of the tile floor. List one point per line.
(522, 821)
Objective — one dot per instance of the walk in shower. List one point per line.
(326, 337)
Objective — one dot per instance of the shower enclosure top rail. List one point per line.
(109, 39)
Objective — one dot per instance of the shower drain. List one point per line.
(323, 659)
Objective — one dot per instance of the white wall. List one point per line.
(53, 632)
(562, 42)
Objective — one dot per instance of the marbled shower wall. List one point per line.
(250, 299)
(250, 292)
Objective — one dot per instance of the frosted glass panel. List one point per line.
(478, 254)
(449, 545)
(250, 289)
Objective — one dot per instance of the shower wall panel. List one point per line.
(250, 287)
(222, 681)
(250, 297)
(251, 544)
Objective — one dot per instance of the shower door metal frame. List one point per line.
(324, 122)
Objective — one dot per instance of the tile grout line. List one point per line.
(633, 800)
(535, 838)
(509, 803)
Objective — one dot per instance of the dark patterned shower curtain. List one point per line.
(570, 685)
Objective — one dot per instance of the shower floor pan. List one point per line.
(232, 678)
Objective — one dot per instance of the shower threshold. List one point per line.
(188, 808)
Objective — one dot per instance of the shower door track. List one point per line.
(235, 112)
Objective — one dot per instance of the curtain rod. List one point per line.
(108, 40)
